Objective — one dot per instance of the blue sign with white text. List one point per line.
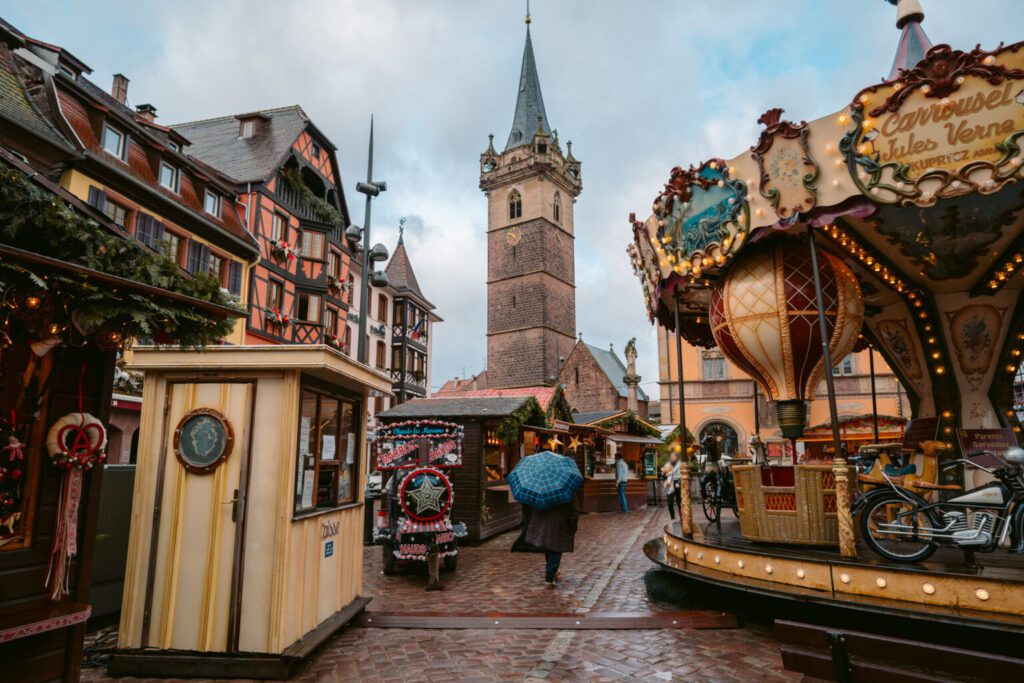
(328, 548)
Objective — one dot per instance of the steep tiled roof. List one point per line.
(254, 159)
(18, 108)
(614, 369)
(529, 102)
(491, 406)
(400, 274)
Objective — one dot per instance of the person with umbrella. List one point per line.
(546, 484)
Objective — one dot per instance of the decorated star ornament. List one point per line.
(552, 442)
(574, 443)
(427, 496)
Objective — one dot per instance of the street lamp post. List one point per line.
(358, 238)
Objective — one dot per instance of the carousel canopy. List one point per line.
(914, 184)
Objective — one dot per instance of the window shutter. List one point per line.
(97, 198)
(143, 227)
(235, 278)
(198, 257)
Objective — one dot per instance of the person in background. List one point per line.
(621, 476)
(554, 532)
(673, 485)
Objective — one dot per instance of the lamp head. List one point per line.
(379, 252)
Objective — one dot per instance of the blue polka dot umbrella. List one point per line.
(544, 480)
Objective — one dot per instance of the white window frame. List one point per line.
(207, 197)
(248, 129)
(175, 175)
(316, 317)
(121, 145)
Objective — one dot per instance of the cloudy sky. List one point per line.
(638, 86)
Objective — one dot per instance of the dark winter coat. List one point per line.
(553, 529)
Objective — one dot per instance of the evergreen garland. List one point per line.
(633, 423)
(559, 409)
(36, 220)
(530, 413)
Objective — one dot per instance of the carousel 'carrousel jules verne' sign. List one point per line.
(950, 126)
(397, 445)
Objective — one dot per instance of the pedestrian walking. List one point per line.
(621, 476)
(673, 485)
(552, 531)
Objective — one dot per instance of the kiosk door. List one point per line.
(194, 579)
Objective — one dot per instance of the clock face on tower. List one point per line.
(514, 236)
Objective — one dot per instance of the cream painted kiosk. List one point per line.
(246, 548)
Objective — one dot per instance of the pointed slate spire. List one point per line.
(914, 42)
(530, 102)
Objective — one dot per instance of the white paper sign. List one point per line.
(329, 448)
(307, 489)
(350, 449)
(305, 426)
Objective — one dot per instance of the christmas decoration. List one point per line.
(14, 448)
(276, 317)
(75, 443)
(281, 250)
(425, 494)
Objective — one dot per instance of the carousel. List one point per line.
(896, 222)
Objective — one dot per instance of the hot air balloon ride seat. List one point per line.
(788, 504)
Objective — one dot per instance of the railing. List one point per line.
(409, 380)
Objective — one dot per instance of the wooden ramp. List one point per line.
(689, 619)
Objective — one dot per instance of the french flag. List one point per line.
(417, 330)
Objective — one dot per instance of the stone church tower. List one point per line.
(531, 282)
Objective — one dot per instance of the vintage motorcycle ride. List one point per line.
(414, 521)
(717, 486)
(900, 525)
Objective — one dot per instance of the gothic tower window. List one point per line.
(515, 205)
(557, 208)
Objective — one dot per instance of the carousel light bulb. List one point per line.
(1011, 368)
(931, 340)
(713, 165)
(759, 212)
(843, 118)
(54, 329)
(939, 369)
(863, 99)
(32, 302)
(835, 183)
(992, 284)
(706, 261)
(1018, 258)
(947, 414)
(989, 61)
(936, 355)
(732, 170)
(1009, 413)
(829, 147)
(838, 162)
(719, 259)
(926, 88)
(947, 430)
(922, 315)
(1015, 353)
(927, 328)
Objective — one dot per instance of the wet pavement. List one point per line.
(604, 575)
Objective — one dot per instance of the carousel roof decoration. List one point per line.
(933, 97)
(703, 217)
(914, 42)
(787, 170)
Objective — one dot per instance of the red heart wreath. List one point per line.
(76, 440)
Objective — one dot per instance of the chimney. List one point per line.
(120, 88)
(147, 112)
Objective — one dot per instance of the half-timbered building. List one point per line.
(136, 171)
(285, 172)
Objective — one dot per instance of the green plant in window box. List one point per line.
(321, 208)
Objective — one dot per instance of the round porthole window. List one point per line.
(203, 440)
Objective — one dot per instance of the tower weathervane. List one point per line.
(528, 12)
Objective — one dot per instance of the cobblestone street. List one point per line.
(603, 575)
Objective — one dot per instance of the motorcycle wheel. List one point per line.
(388, 549)
(451, 562)
(709, 499)
(887, 509)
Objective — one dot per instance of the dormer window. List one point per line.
(315, 150)
(515, 205)
(248, 129)
(174, 146)
(211, 203)
(114, 141)
(169, 177)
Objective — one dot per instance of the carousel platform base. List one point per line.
(942, 597)
(188, 664)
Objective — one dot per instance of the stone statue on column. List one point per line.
(631, 379)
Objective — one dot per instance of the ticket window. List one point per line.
(326, 466)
